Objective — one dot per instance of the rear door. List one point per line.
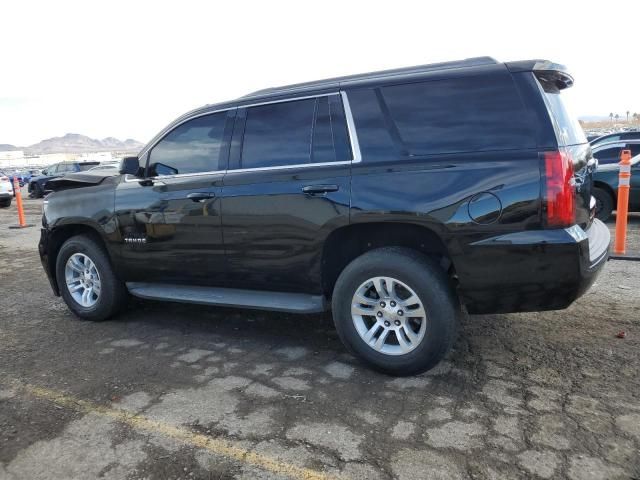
(286, 189)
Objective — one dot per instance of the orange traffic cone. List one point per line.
(624, 180)
(21, 220)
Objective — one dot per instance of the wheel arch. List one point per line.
(349, 242)
(61, 234)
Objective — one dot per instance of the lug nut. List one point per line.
(382, 304)
(392, 303)
(379, 314)
(387, 323)
(400, 313)
(397, 322)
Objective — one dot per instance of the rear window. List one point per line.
(471, 114)
(85, 166)
(569, 131)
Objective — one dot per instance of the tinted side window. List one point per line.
(608, 155)
(330, 140)
(468, 114)
(607, 139)
(278, 134)
(322, 142)
(339, 129)
(195, 146)
(296, 132)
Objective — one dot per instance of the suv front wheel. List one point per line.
(394, 308)
(87, 281)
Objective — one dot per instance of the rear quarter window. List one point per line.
(568, 129)
(480, 113)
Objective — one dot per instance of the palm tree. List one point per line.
(627, 116)
(617, 117)
(611, 117)
(636, 117)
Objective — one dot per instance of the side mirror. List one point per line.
(130, 166)
(158, 168)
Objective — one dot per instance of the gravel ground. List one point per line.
(179, 391)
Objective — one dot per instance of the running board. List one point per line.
(230, 297)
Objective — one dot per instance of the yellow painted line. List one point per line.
(226, 448)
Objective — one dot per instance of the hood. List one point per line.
(77, 180)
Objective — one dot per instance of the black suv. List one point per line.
(391, 198)
(37, 185)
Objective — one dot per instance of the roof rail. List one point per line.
(337, 81)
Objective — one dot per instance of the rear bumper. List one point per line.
(532, 270)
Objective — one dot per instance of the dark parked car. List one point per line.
(608, 153)
(388, 197)
(27, 175)
(37, 184)
(605, 182)
(615, 137)
(16, 175)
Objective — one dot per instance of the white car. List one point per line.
(6, 191)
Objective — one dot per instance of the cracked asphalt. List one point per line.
(189, 392)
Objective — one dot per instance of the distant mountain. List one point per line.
(5, 147)
(76, 143)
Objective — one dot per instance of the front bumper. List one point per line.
(532, 270)
(47, 265)
(5, 195)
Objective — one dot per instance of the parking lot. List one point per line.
(182, 391)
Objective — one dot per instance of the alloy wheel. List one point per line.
(82, 279)
(388, 315)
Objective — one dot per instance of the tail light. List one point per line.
(560, 195)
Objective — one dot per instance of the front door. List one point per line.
(169, 221)
(286, 189)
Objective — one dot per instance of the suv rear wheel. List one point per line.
(394, 308)
(86, 279)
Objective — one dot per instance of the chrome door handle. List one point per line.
(319, 189)
(200, 196)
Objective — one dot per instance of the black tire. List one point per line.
(425, 277)
(113, 295)
(36, 191)
(604, 203)
(5, 203)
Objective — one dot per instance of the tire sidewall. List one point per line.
(424, 278)
(607, 203)
(104, 306)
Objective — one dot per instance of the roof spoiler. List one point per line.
(544, 70)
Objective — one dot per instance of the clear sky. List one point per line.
(127, 68)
